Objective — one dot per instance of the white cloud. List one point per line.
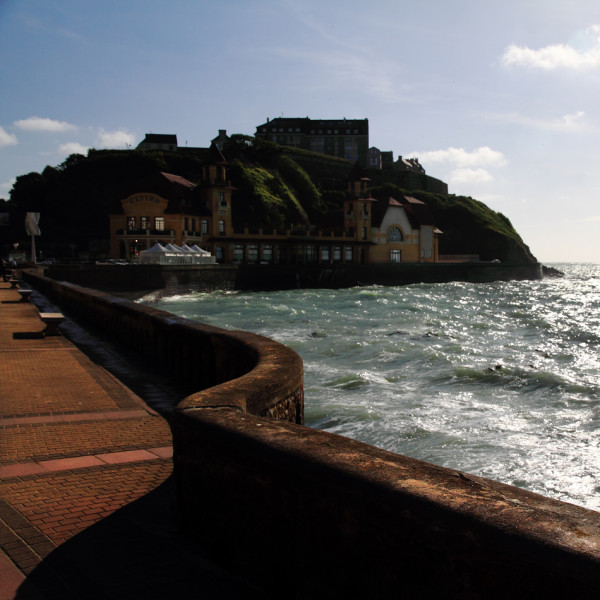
(7, 139)
(44, 124)
(569, 123)
(115, 139)
(483, 156)
(460, 176)
(73, 148)
(557, 56)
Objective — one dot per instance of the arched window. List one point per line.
(394, 235)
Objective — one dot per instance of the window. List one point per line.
(337, 254)
(159, 223)
(395, 235)
(204, 226)
(193, 224)
(145, 223)
(222, 201)
(267, 253)
(364, 233)
(185, 223)
(252, 252)
(220, 254)
(395, 256)
(365, 210)
(131, 224)
(311, 254)
(222, 227)
(281, 255)
(238, 253)
(317, 144)
(324, 253)
(350, 149)
(348, 254)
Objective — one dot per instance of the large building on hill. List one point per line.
(344, 138)
(171, 209)
(158, 141)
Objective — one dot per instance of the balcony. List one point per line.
(132, 233)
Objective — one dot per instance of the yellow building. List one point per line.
(403, 231)
(171, 209)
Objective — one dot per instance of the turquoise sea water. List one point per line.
(501, 380)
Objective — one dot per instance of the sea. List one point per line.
(500, 379)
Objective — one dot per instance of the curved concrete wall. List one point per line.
(266, 377)
(308, 514)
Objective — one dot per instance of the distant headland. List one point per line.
(254, 201)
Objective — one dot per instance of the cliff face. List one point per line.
(471, 227)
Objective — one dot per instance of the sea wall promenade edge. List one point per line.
(306, 513)
(132, 278)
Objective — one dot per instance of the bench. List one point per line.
(13, 283)
(52, 321)
(25, 295)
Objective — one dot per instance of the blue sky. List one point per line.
(498, 99)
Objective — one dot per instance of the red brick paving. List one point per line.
(57, 440)
(92, 494)
(75, 444)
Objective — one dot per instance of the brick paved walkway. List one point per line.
(86, 505)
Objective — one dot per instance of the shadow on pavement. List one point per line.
(137, 552)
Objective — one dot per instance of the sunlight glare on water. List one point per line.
(501, 380)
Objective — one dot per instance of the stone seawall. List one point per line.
(132, 278)
(308, 514)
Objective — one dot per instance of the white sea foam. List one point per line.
(499, 379)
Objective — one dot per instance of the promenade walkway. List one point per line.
(86, 494)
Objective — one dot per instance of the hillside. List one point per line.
(276, 187)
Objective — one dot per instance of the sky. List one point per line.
(499, 99)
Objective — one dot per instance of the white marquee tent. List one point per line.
(174, 255)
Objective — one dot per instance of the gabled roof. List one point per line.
(178, 179)
(418, 212)
(214, 156)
